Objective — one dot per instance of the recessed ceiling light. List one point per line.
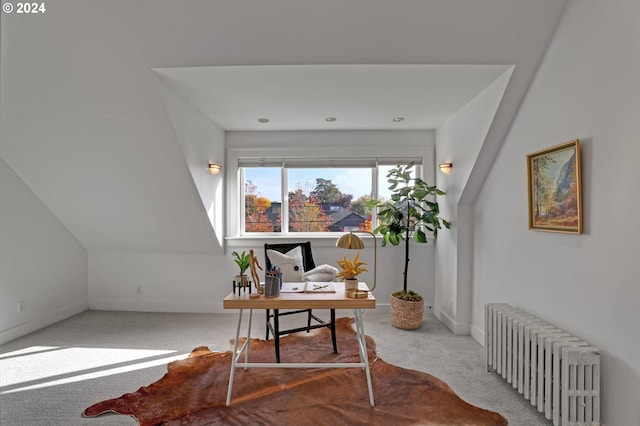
(398, 119)
(330, 119)
(263, 120)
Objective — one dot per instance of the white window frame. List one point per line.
(235, 180)
(297, 163)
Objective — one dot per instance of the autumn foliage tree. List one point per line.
(366, 225)
(306, 214)
(255, 208)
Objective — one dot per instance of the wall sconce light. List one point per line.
(214, 168)
(446, 168)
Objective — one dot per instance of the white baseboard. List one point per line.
(190, 307)
(41, 322)
(456, 328)
(478, 334)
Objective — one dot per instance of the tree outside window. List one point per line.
(331, 199)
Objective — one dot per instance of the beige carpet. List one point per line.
(194, 390)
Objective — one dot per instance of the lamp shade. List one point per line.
(350, 241)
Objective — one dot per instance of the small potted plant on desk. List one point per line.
(350, 269)
(411, 212)
(242, 260)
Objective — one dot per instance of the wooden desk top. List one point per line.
(336, 300)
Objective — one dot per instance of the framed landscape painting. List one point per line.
(555, 192)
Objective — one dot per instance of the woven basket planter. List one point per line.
(406, 314)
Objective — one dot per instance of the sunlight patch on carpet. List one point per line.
(43, 366)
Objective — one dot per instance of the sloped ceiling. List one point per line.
(359, 97)
(84, 125)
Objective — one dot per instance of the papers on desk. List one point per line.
(319, 287)
(308, 287)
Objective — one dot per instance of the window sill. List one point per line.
(325, 240)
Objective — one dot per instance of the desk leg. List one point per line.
(234, 356)
(276, 332)
(246, 354)
(364, 357)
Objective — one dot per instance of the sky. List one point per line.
(354, 181)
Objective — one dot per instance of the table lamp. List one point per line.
(351, 241)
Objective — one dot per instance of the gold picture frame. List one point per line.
(554, 179)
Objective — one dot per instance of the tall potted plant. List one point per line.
(412, 212)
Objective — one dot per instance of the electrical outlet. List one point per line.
(139, 289)
(22, 306)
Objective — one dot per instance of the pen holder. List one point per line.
(272, 283)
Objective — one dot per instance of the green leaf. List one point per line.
(420, 193)
(394, 239)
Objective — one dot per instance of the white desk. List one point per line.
(336, 300)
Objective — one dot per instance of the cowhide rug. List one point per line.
(194, 390)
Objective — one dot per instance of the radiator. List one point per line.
(559, 373)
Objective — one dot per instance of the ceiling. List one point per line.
(309, 97)
(80, 87)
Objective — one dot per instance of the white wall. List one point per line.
(587, 88)
(78, 92)
(202, 142)
(198, 283)
(158, 282)
(41, 263)
(459, 141)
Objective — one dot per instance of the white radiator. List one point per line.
(557, 372)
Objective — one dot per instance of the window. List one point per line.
(262, 199)
(310, 196)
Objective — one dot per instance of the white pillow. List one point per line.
(290, 264)
(319, 277)
(321, 273)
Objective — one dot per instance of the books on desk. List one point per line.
(308, 287)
